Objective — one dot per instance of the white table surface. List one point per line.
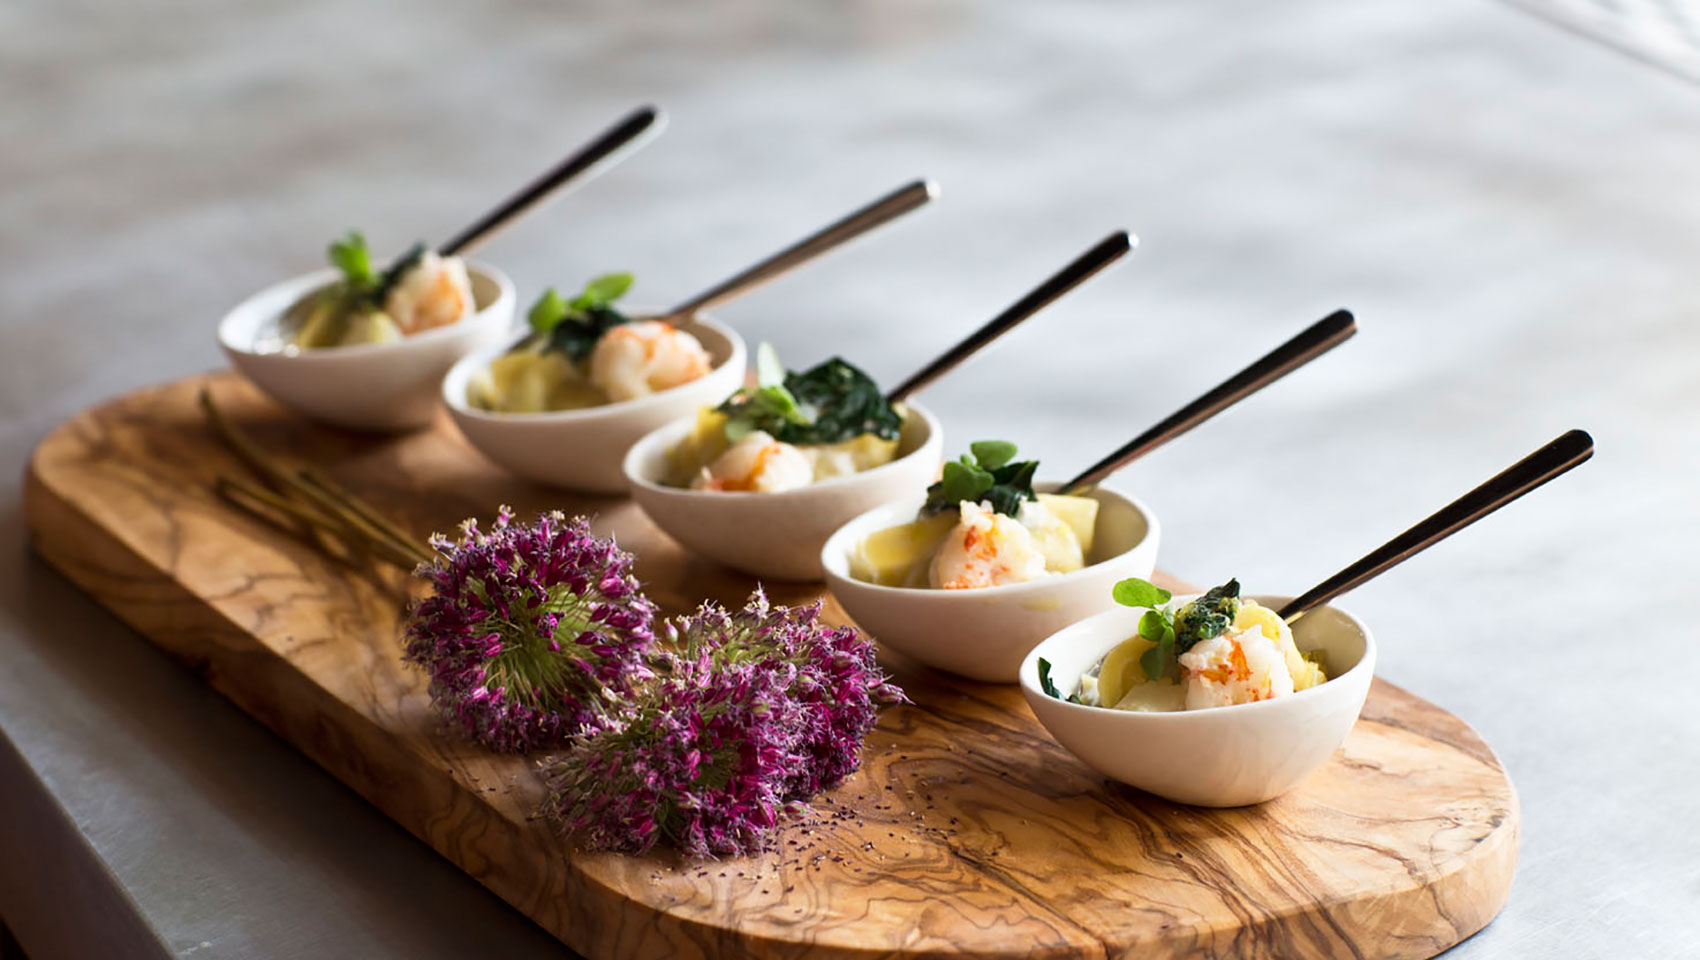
(1513, 213)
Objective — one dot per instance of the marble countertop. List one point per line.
(1512, 212)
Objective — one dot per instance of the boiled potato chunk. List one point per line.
(373, 326)
(1121, 670)
(527, 382)
(1253, 614)
(863, 452)
(899, 556)
(1311, 674)
(1055, 539)
(699, 448)
(1080, 513)
(1306, 671)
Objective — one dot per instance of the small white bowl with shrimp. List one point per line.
(583, 449)
(1222, 756)
(391, 385)
(984, 633)
(778, 534)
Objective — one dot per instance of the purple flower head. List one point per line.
(534, 635)
(754, 713)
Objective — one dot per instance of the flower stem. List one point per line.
(310, 497)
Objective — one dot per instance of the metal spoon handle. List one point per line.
(1314, 341)
(588, 156)
(1106, 252)
(884, 210)
(1546, 464)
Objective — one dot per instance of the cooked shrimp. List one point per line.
(433, 294)
(641, 358)
(1236, 667)
(986, 549)
(757, 463)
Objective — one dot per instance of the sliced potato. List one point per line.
(899, 556)
(1056, 540)
(699, 448)
(1121, 671)
(1253, 614)
(1311, 674)
(1080, 513)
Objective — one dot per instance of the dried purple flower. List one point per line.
(756, 713)
(534, 635)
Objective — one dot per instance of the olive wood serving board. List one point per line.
(967, 833)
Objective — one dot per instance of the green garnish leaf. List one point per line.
(1045, 683)
(769, 371)
(985, 474)
(1154, 625)
(1134, 592)
(1208, 616)
(992, 454)
(961, 480)
(574, 326)
(351, 256)
(1159, 661)
(829, 403)
(765, 404)
(363, 288)
(603, 291)
(549, 310)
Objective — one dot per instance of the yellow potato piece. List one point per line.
(699, 448)
(1312, 674)
(862, 452)
(528, 382)
(1253, 614)
(899, 556)
(1060, 546)
(1121, 670)
(1080, 513)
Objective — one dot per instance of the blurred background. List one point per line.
(1508, 202)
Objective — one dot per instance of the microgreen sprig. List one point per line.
(573, 326)
(1173, 633)
(361, 284)
(988, 472)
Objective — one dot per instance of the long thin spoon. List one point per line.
(1541, 467)
(558, 176)
(1314, 341)
(895, 204)
(1107, 251)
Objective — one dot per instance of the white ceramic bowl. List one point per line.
(984, 634)
(776, 536)
(1216, 757)
(373, 386)
(583, 449)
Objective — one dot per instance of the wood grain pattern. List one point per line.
(968, 831)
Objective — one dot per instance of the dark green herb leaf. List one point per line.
(1208, 616)
(1045, 683)
(987, 475)
(1134, 592)
(831, 403)
(573, 327)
